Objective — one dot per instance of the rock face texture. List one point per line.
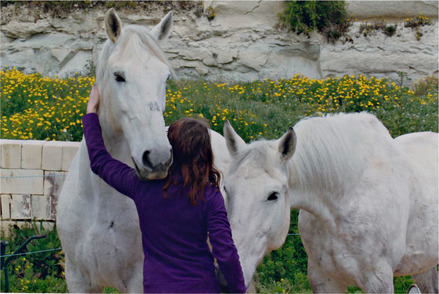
(242, 42)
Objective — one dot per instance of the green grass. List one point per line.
(37, 107)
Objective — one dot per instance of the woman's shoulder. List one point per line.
(211, 189)
(212, 194)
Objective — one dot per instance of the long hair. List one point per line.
(193, 158)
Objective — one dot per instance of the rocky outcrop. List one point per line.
(241, 42)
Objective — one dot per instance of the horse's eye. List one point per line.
(119, 77)
(273, 196)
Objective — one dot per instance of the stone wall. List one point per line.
(32, 174)
(241, 43)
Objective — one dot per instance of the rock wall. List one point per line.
(242, 41)
(32, 174)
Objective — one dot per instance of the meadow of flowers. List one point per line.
(42, 108)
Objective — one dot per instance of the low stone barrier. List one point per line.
(32, 174)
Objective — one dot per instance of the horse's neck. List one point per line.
(117, 146)
(318, 193)
(323, 206)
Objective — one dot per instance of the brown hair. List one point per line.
(193, 158)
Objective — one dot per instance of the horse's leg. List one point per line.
(321, 283)
(135, 284)
(427, 281)
(76, 281)
(378, 281)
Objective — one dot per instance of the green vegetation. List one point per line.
(41, 108)
(38, 272)
(416, 23)
(327, 17)
(61, 9)
(389, 30)
(37, 107)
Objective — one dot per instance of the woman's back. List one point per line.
(174, 234)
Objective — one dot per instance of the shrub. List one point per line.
(417, 21)
(327, 17)
(423, 86)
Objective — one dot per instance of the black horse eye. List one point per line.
(273, 196)
(119, 77)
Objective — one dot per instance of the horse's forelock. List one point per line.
(256, 154)
(132, 42)
(135, 39)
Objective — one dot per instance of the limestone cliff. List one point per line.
(242, 42)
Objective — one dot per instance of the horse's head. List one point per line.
(131, 73)
(257, 194)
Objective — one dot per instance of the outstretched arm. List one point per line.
(117, 174)
(223, 247)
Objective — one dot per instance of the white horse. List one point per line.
(368, 203)
(98, 227)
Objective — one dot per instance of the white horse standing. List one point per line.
(368, 203)
(99, 227)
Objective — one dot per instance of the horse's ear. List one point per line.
(163, 29)
(113, 25)
(233, 140)
(287, 144)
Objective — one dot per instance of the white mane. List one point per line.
(332, 151)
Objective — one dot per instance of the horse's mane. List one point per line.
(332, 151)
(133, 40)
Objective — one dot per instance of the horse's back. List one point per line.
(420, 151)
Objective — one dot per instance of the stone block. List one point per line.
(38, 207)
(5, 203)
(10, 153)
(21, 207)
(68, 152)
(31, 152)
(52, 156)
(16, 181)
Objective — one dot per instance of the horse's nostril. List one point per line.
(145, 159)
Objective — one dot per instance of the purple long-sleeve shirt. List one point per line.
(174, 232)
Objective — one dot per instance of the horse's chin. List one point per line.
(150, 176)
(146, 175)
(153, 176)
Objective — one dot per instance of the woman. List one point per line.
(176, 214)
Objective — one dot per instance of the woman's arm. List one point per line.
(117, 174)
(223, 248)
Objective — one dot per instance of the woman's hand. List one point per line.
(93, 102)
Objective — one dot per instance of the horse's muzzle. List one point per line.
(150, 171)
